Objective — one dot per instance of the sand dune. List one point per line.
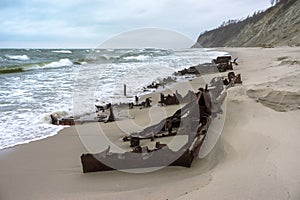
(277, 100)
(256, 156)
(282, 94)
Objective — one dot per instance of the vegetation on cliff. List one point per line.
(277, 26)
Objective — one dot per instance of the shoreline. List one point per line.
(254, 158)
(142, 95)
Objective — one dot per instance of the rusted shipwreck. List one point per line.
(192, 120)
(220, 64)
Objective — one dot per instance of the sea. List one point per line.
(35, 83)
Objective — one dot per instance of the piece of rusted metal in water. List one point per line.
(63, 121)
(125, 93)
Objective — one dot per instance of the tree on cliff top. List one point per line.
(274, 2)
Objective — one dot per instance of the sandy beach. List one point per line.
(255, 157)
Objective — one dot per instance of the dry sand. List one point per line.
(255, 158)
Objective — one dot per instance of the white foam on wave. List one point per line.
(46, 119)
(215, 54)
(10, 142)
(136, 76)
(56, 64)
(60, 63)
(138, 58)
(28, 129)
(62, 51)
(108, 57)
(17, 57)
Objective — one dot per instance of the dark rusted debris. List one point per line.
(192, 120)
(220, 64)
(143, 104)
(161, 83)
(168, 100)
(233, 79)
(111, 117)
(102, 108)
(141, 157)
(146, 103)
(64, 121)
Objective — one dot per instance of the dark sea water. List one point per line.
(35, 83)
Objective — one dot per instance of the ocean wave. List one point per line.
(98, 58)
(46, 119)
(142, 55)
(134, 55)
(62, 51)
(11, 70)
(137, 58)
(61, 63)
(17, 57)
(32, 66)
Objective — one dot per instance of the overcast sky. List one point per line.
(88, 23)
